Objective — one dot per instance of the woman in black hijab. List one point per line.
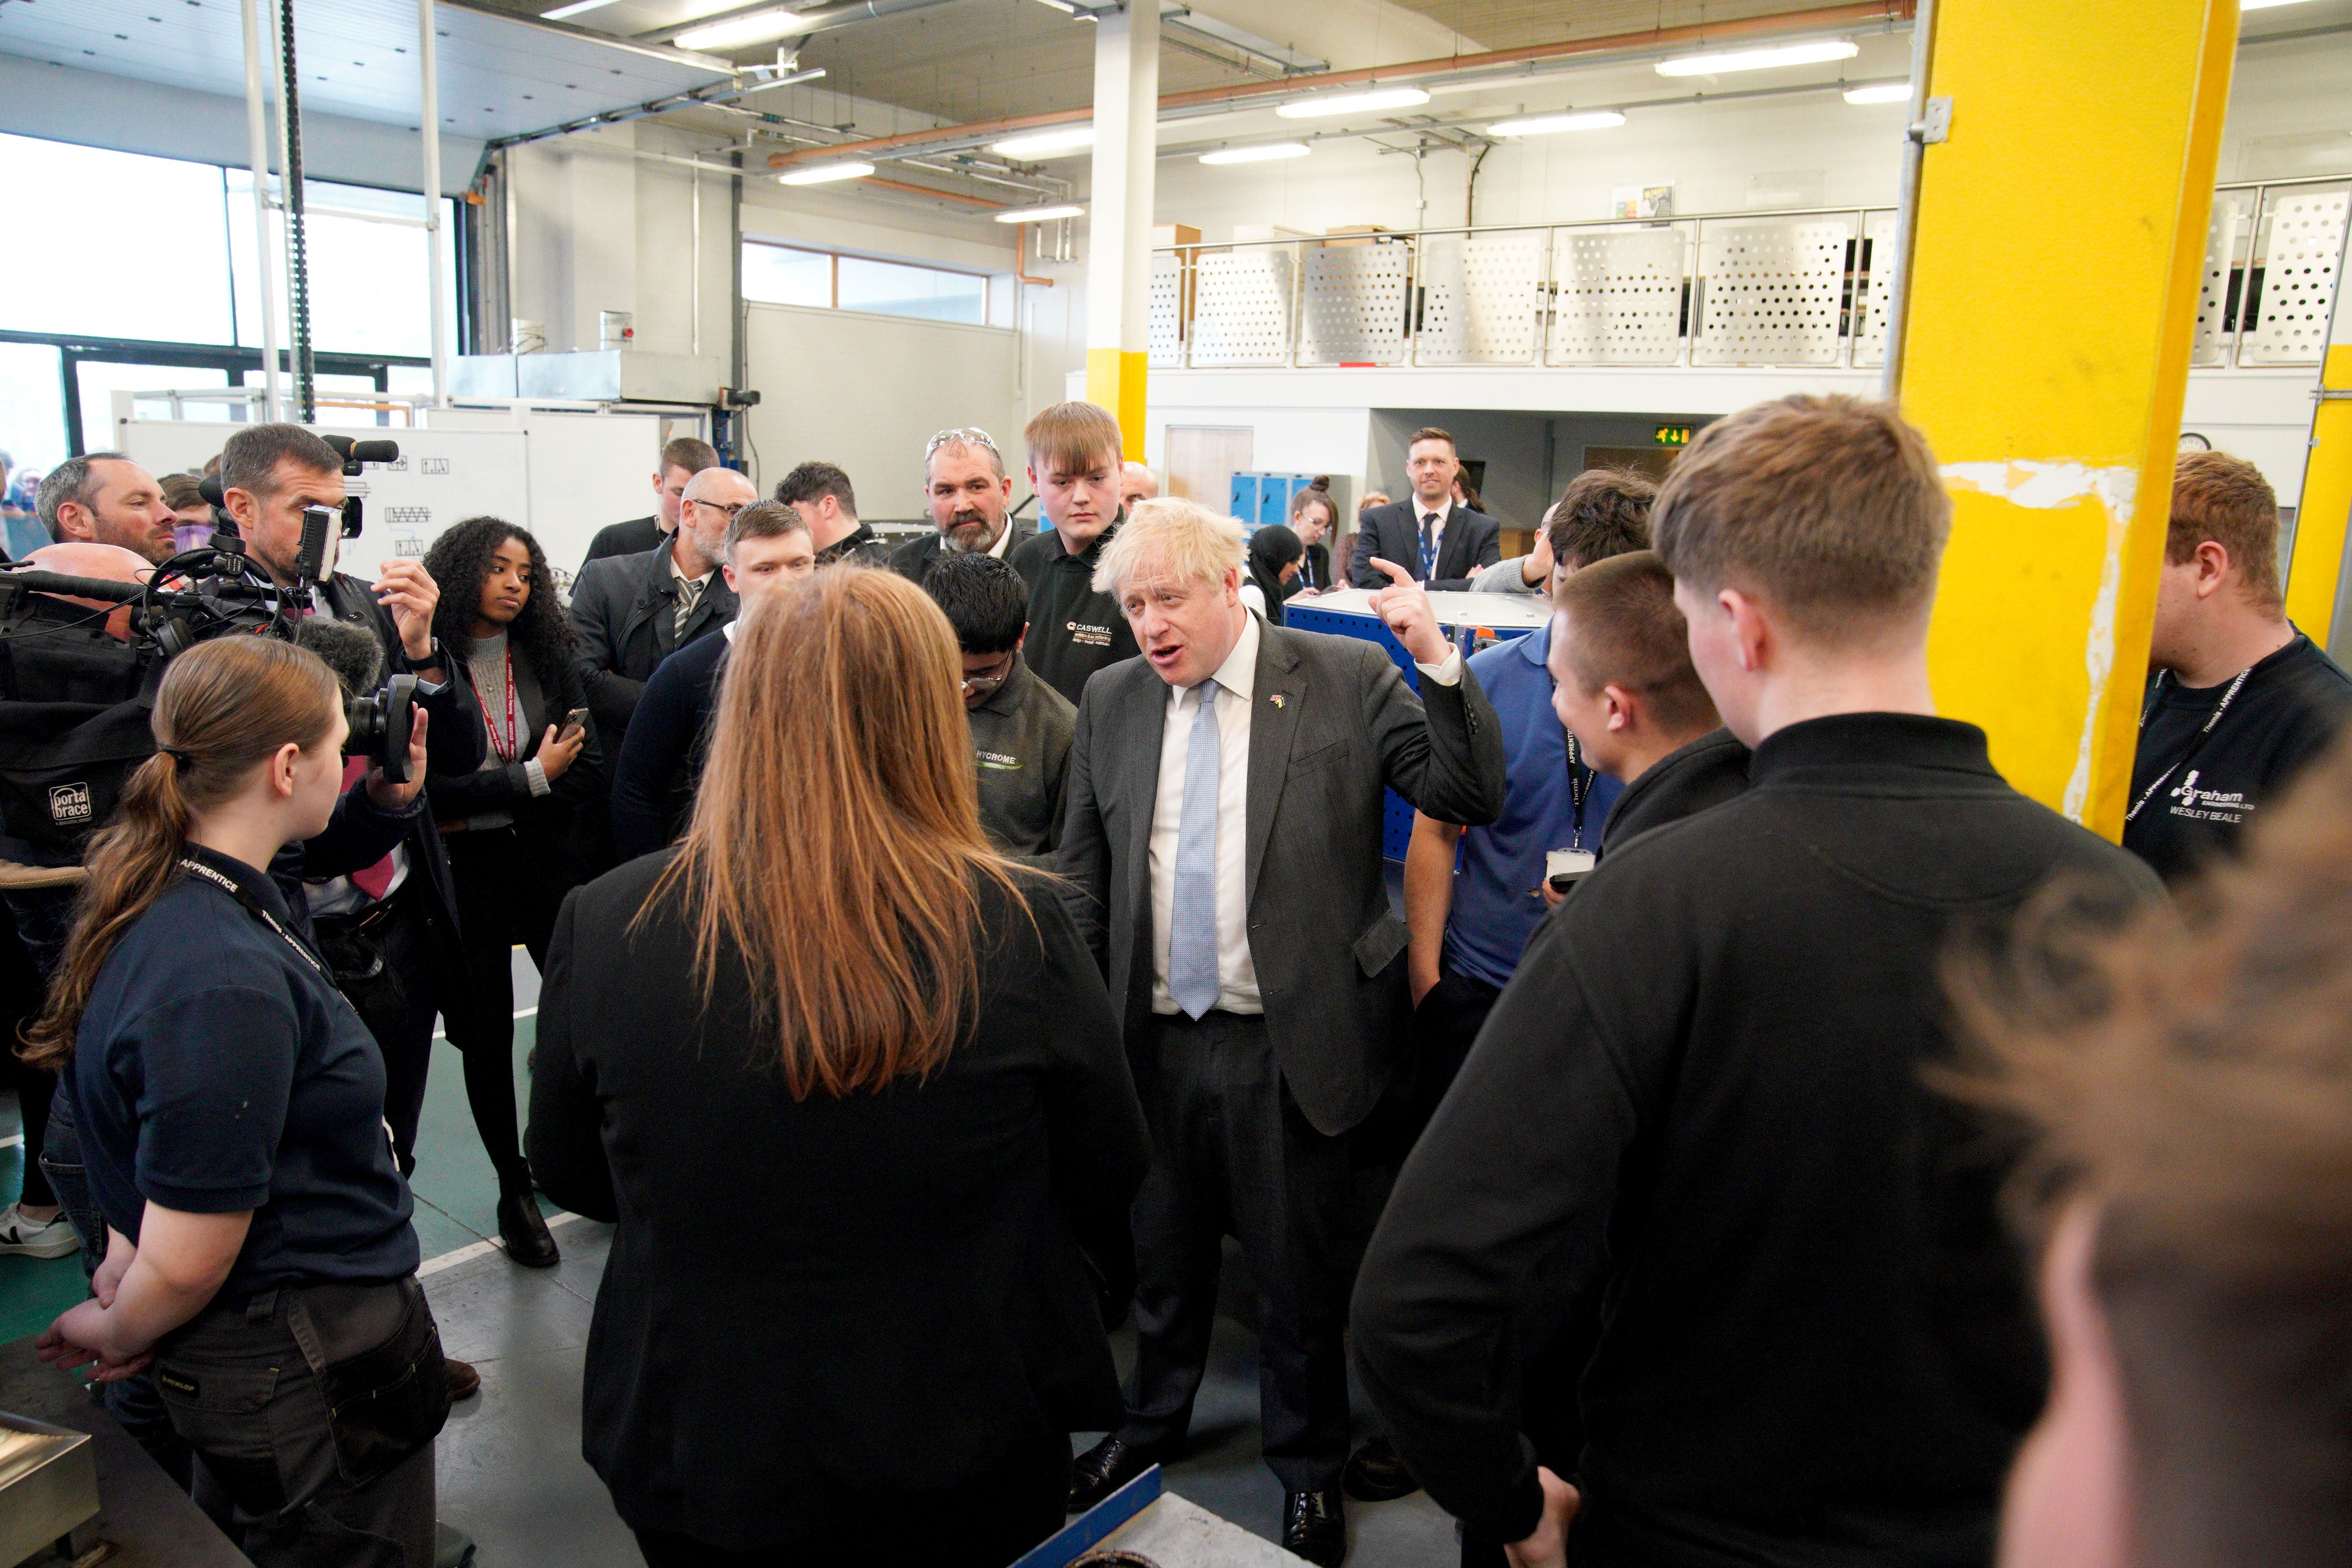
(1274, 552)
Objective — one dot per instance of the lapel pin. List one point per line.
(1276, 699)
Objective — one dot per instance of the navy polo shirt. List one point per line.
(1498, 875)
(216, 1070)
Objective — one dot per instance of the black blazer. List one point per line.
(564, 826)
(1473, 540)
(1332, 724)
(634, 536)
(1317, 563)
(623, 608)
(900, 1274)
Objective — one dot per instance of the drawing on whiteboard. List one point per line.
(436, 466)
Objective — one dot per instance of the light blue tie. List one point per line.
(1192, 928)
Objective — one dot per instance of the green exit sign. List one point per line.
(1673, 435)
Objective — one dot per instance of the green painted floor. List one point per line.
(456, 1191)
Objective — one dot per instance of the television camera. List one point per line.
(76, 706)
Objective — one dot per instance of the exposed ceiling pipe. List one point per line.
(813, 19)
(1249, 94)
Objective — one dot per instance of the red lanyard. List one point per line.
(506, 752)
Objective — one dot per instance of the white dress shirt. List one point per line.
(1236, 681)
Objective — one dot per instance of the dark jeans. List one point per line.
(1233, 1154)
(397, 1003)
(505, 898)
(987, 1526)
(43, 916)
(244, 1388)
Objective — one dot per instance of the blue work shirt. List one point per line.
(218, 1069)
(1498, 875)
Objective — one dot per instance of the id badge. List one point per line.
(1564, 868)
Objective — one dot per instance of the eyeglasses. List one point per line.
(975, 686)
(731, 512)
(970, 435)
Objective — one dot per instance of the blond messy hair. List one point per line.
(1169, 537)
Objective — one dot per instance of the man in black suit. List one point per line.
(1222, 841)
(1437, 540)
(971, 498)
(681, 460)
(632, 611)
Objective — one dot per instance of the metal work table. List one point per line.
(147, 1519)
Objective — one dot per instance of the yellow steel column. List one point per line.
(1119, 229)
(2325, 509)
(2052, 292)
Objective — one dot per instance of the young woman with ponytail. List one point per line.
(260, 1259)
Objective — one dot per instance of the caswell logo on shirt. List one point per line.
(2207, 805)
(70, 804)
(1086, 636)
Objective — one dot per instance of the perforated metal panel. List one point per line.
(1876, 287)
(1770, 292)
(2306, 243)
(1479, 295)
(1165, 317)
(1241, 307)
(1355, 305)
(2212, 344)
(1619, 300)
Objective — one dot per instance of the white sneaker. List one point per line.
(23, 1238)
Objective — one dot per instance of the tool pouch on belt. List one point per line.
(383, 1404)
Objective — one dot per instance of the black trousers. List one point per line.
(396, 1001)
(506, 897)
(1445, 1026)
(1232, 1153)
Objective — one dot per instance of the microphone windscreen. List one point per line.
(351, 650)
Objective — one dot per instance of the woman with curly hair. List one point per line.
(513, 824)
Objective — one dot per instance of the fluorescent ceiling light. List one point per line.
(824, 173)
(1884, 92)
(1041, 214)
(1260, 154)
(1352, 102)
(1064, 6)
(1547, 124)
(574, 9)
(2264, 5)
(1045, 143)
(1721, 60)
(757, 28)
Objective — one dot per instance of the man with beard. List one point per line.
(106, 498)
(968, 490)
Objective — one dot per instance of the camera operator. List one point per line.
(232, 1105)
(106, 498)
(388, 924)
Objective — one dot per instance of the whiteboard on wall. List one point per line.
(561, 475)
(868, 391)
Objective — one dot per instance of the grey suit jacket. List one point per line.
(1329, 953)
(623, 608)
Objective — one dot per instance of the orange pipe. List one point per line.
(1652, 37)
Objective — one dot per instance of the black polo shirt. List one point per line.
(218, 1069)
(2200, 794)
(1073, 630)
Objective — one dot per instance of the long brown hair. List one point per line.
(835, 850)
(223, 707)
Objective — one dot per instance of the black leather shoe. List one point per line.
(1105, 1467)
(1376, 1473)
(1314, 1528)
(525, 1232)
